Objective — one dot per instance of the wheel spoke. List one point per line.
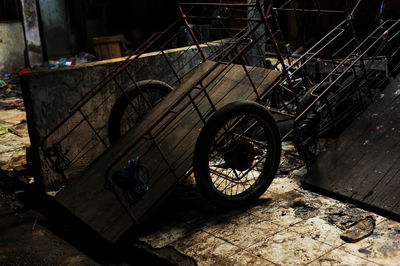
(240, 149)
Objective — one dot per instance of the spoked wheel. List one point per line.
(237, 154)
(133, 105)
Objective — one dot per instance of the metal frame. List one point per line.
(351, 66)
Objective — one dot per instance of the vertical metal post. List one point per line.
(277, 50)
(256, 55)
(191, 32)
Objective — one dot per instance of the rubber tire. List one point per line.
(120, 106)
(205, 140)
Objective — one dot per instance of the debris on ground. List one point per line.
(14, 137)
(79, 59)
(298, 173)
(2, 83)
(360, 230)
(290, 159)
(3, 130)
(344, 217)
(286, 217)
(303, 209)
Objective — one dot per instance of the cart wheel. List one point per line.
(237, 154)
(132, 106)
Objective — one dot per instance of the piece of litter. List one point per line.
(359, 231)
(297, 202)
(3, 130)
(15, 103)
(2, 83)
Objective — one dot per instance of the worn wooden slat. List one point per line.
(380, 153)
(387, 188)
(363, 163)
(85, 195)
(347, 150)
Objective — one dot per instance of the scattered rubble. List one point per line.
(360, 230)
(14, 137)
(345, 216)
(290, 159)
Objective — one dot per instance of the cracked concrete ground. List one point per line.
(288, 226)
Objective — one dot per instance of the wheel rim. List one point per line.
(238, 155)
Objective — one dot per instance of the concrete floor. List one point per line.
(288, 225)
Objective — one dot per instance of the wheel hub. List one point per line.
(240, 155)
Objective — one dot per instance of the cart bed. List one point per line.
(175, 135)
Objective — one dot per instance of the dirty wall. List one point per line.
(12, 46)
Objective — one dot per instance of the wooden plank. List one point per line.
(364, 162)
(343, 154)
(380, 152)
(85, 195)
(386, 190)
(348, 150)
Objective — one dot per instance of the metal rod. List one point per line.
(309, 10)
(216, 4)
(191, 32)
(349, 67)
(276, 48)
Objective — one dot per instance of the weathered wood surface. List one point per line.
(363, 163)
(85, 195)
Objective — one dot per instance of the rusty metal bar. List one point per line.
(196, 108)
(276, 48)
(249, 77)
(225, 18)
(350, 66)
(171, 66)
(309, 10)
(126, 208)
(191, 32)
(139, 89)
(92, 127)
(216, 4)
(163, 155)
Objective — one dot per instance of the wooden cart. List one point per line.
(220, 120)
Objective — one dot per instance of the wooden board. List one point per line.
(176, 135)
(363, 163)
